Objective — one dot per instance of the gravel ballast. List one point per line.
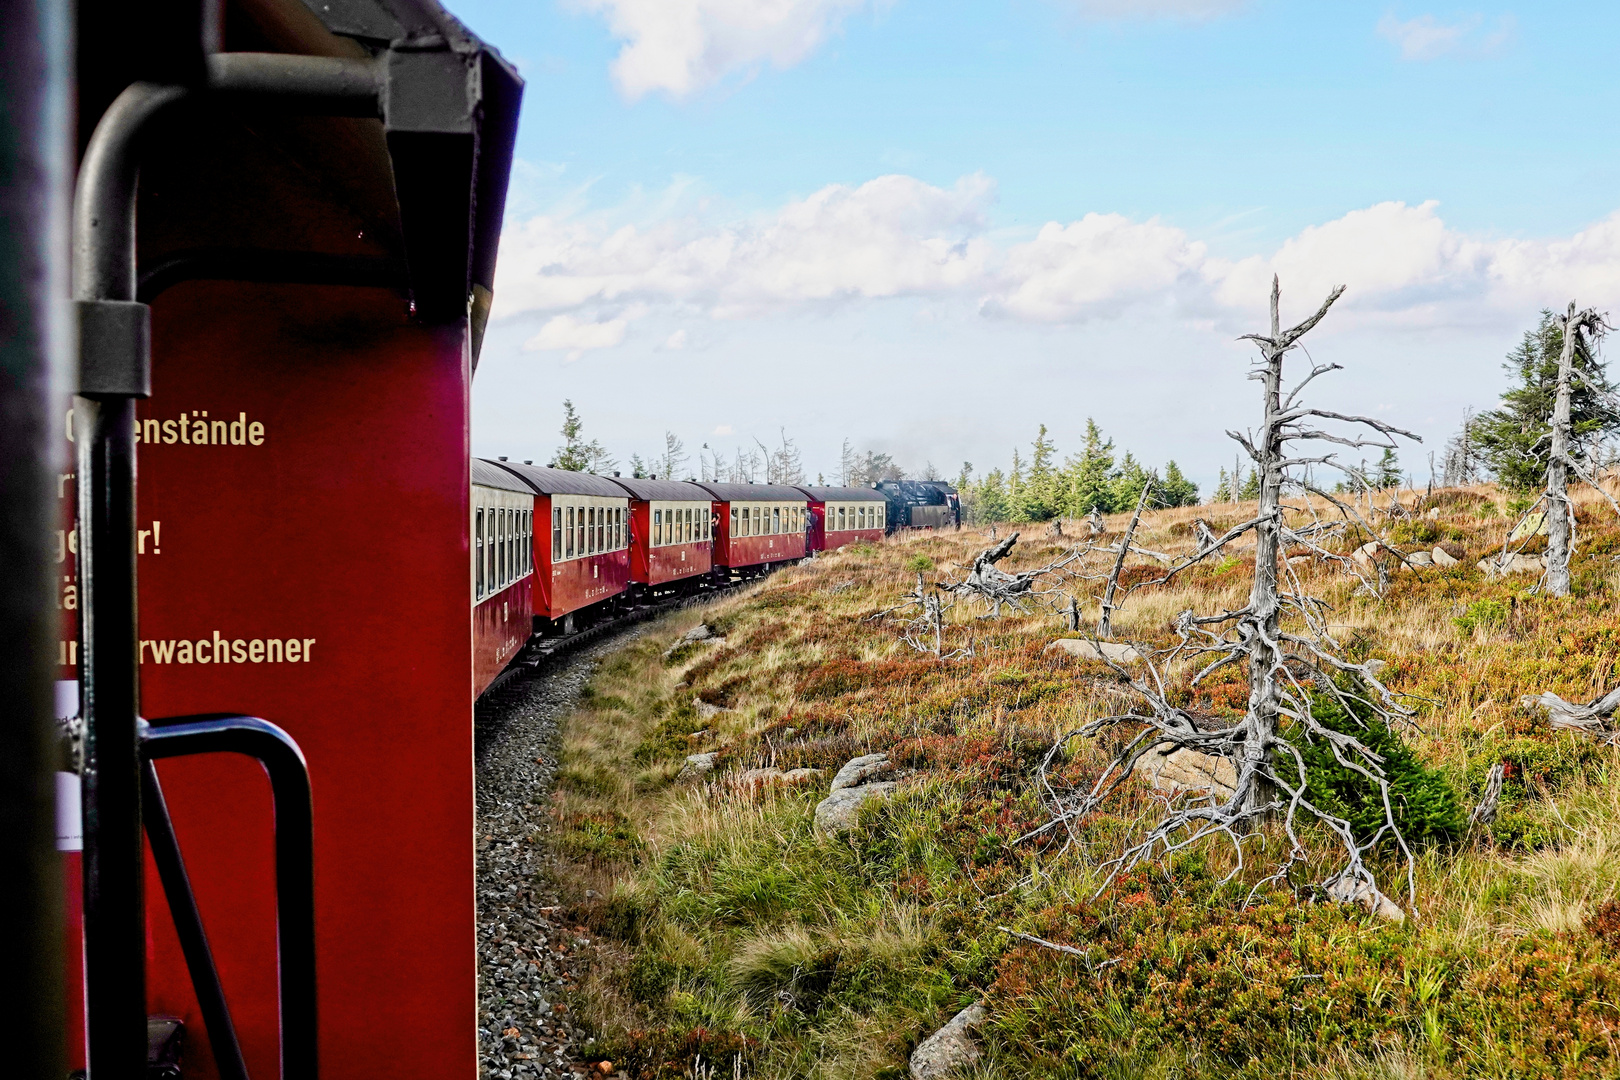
(529, 954)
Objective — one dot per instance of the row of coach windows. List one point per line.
(502, 548)
(842, 516)
(766, 520)
(681, 525)
(585, 530)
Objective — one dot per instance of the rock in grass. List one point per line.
(1365, 894)
(762, 777)
(1175, 770)
(836, 813)
(860, 770)
(1117, 651)
(698, 766)
(1442, 557)
(801, 776)
(700, 632)
(1517, 564)
(949, 1050)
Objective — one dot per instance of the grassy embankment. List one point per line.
(735, 929)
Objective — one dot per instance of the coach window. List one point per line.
(489, 551)
(568, 533)
(556, 533)
(525, 539)
(478, 553)
(601, 528)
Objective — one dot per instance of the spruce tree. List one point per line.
(1387, 473)
(1090, 475)
(1126, 485)
(1037, 494)
(1223, 489)
(1175, 489)
(575, 454)
(1513, 440)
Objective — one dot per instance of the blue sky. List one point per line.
(929, 227)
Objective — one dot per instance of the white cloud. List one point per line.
(891, 236)
(1427, 38)
(723, 429)
(682, 46)
(897, 236)
(1096, 265)
(577, 335)
(1158, 9)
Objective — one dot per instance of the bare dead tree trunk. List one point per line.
(1558, 506)
(1265, 649)
(1105, 627)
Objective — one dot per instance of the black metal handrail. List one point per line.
(283, 763)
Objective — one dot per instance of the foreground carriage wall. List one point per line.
(278, 589)
(303, 507)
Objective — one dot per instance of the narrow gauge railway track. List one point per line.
(531, 956)
(543, 654)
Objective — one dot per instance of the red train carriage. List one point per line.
(758, 524)
(671, 532)
(583, 559)
(843, 515)
(283, 258)
(502, 569)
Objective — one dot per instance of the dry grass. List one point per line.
(743, 932)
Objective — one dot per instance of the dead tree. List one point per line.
(1095, 520)
(1582, 331)
(1105, 623)
(1592, 718)
(1288, 664)
(995, 587)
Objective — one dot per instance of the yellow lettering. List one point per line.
(169, 435)
(293, 655)
(70, 425)
(216, 432)
(152, 431)
(256, 651)
(273, 654)
(163, 651)
(70, 597)
(239, 430)
(184, 653)
(256, 433)
(238, 651)
(201, 659)
(199, 432)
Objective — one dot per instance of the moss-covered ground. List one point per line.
(739, 940)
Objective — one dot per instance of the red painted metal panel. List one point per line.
(676, 562)
(738, 551)
(571, 584)
(588, 579)
(501, 624)
(332, 472)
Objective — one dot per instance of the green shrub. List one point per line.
(1425, 806)
(919, 564)
(1487, 613)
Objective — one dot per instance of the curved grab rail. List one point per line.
(283, 762)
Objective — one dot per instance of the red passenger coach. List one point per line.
(759, 524)
(671, 532)
(283, 337)
(843, 515)
(583, 559)
(502, 570)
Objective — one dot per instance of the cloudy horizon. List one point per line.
(753, 282)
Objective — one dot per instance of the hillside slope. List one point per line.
(743, 939)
